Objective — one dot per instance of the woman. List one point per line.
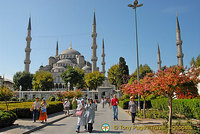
(74, 106)
(66, 105)
(35, 109)
(43, 111)
(81, 118)
(132, 108)
(90, 107)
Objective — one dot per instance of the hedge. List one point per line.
(124, 103)
(7, 118)
(22, 109)
(188, 107)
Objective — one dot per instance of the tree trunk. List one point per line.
(6, 104)
(170, 115)
(144, 105)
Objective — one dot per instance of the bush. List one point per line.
(188, 107)
(7, 118)
(22, 99)
(52, 98)
(124, 104)
(22, 109)
(13, 99)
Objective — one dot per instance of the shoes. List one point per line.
(77, 131)
(116, 118)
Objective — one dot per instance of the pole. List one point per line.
(138, 79)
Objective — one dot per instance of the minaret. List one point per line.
(159, 59)
(103, 58)
(27, 60)
(179, 43)
(57, 48)
(94, 46)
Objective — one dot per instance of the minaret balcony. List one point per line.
(94, 59)
(94, 35)
(28, 38)
(179, 42)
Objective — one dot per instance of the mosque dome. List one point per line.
(86, 68)
(70, 51)
(64, 61)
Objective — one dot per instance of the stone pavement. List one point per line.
(58, 123)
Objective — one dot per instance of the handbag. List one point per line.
(79, 113)
(43, 110)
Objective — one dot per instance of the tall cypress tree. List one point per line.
(123, 71)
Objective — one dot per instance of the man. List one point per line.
(35, 108)
(114, 103)
(66, 105)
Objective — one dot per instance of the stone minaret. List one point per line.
(179, 43)
(94, 46)
(57, 48)
(159, 59)
(27, 60)
(103, 58)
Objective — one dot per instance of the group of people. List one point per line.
(39, 109)
(132, 108)
(86, 114)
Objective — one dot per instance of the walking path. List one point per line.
(59, 123)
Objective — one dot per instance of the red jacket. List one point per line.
(114, 101)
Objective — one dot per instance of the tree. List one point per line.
(123, 71)
(73, 76)
(170, 82)
(113, 76)
(6, 94)
(142, 88)
(43, 80)
(143, 70)
(95, 79)
(81, 83)
(24, 79)
(195, 63)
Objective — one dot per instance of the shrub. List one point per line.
(52, 98)
(13, 99)
(124, 103)
(7, 118)
(22, 99)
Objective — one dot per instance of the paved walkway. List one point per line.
(59, 123)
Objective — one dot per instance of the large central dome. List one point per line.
(70, 51)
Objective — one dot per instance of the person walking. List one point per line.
(114, 103)
(35, 108)
(90, 107)
(81, 116)
(43, 111)
(74, 106)
(132, 108)
(66, 105)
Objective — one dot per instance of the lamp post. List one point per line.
(134, 6)
(20, 92)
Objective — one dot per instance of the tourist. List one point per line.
(114, 103)
(43, 111)
(81, 115)
(74, 106)
(66, 105)
(102, 101)
(95, 104)
(35, 108)
(132, 108)
(90, 107)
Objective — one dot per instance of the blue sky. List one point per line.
(71, 21)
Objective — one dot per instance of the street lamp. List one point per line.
(134, 6)
(20, 92)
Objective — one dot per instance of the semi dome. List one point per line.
(86, 68)
(70, 52)
(64, 61)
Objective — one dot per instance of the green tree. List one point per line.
(24, 79)
(113, 76)
(95, 79)
(143, 70)
(81, 83)
(196, 62)
(73, 76)
(6, 94)
(42, 80)
(123, 71)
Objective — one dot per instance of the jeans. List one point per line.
(35, 115)
(115, 112)
(78, 127)
(133, 117)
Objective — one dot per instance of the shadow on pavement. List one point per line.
(150, 123)
(114, 132)
(57, 125)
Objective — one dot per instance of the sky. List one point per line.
(71, 21)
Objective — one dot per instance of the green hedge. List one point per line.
(7, 118)
(22, 109)
(188, 107)
(124, 103)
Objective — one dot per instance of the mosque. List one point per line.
(58, 64)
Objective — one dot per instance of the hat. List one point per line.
(131, 97)
(66, 98)
(43, 99)
(36, 98)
